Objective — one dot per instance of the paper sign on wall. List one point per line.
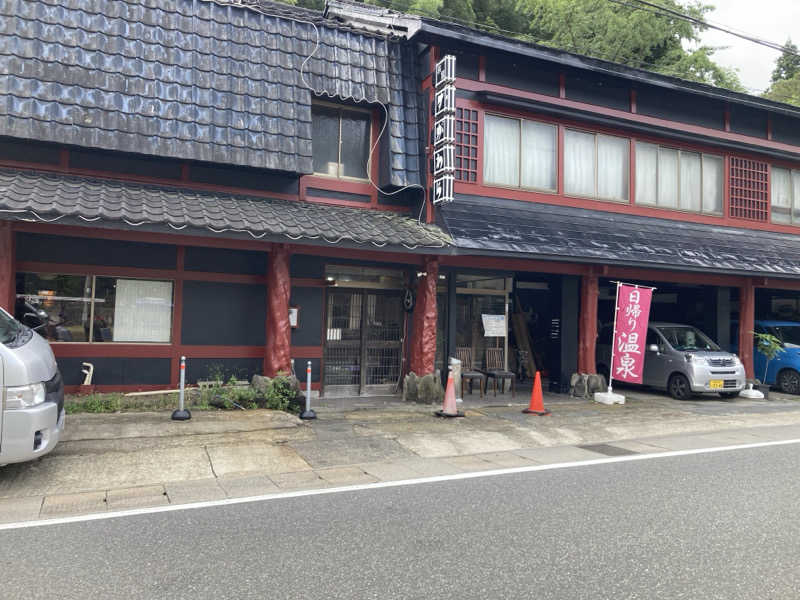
(494, 325)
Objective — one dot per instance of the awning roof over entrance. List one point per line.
(544, 231)
(66, 199)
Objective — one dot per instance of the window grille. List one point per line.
(466, 145)
(749, 196)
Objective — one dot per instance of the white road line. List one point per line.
(386, 484)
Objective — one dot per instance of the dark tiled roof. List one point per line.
(196, 80)
(566, 233)
(51, 198)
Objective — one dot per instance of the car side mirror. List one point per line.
(653, 348)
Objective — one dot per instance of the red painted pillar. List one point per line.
(423, 330)
(587, 335)
(747, 309)
(277, 352)
(7, 275)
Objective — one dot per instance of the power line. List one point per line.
(711, 25)
(630, 62)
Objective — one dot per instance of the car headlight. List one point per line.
(24, 396)
(736, 361)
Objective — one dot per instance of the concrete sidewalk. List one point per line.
(121, 461)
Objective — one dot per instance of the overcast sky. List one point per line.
(773, 20)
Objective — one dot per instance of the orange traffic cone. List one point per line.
(449, 408)
(536, 407)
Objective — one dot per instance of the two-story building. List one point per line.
(246, 183)
(573, 173)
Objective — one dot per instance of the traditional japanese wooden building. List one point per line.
(246, 183)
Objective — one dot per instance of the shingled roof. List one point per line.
(529, 229)
(31, 195)
(198, 80)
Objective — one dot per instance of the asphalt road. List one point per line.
(722, 525)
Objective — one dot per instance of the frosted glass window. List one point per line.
(142, 311)
(89, 308)
(796, 196)
(538, 155)
(579, 163)
(781, 188)
(501, 150)
(612, 167)
(668, 178)
(340, 141)
(355, 144)
(713, 173)
(325, 139)
(691, 182)
(646, 173)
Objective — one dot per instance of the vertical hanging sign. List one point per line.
(443, 136)
(630, 332)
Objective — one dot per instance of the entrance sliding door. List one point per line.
(363, 342)
(383, 341)
(342, 354)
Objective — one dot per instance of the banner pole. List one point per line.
(613, 338)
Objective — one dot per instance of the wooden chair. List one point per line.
(494, 367)
(468, 371)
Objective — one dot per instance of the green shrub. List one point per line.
(95, 403)
(281, 393)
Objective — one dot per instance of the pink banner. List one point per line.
(630, 332)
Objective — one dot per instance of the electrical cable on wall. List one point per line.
(320, 93)
(325, 93)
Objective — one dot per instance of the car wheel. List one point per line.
(679, 387)
(789, 381)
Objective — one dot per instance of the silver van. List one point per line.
(31, 393)
(682, 360)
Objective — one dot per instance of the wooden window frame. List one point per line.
(792, 222)
(680, 152)
(596, 195)
(341, 108)
(482, 142)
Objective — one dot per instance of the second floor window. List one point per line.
(596, 166)
(519, 153)
(785, 192)
(670, 178)
(340, 139)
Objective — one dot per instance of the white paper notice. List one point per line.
(494, 325)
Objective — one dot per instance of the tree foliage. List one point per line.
(621, 33)
(785, 90)
(788, 65)
(786, 77)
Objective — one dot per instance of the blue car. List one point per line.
(783, 370)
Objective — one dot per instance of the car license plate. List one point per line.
(715, 384)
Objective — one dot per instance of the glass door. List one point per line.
(383, 341)
(363, 342)
(342, 354)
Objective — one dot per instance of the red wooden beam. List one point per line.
(423, 337)
(63, 169)
(7, 267)
(97, 232)
(623, 115)
(515, 264)
(747, 307)
(307, 351)
(634, 274)
(103, 271)
(277, 353)
(123, 350)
